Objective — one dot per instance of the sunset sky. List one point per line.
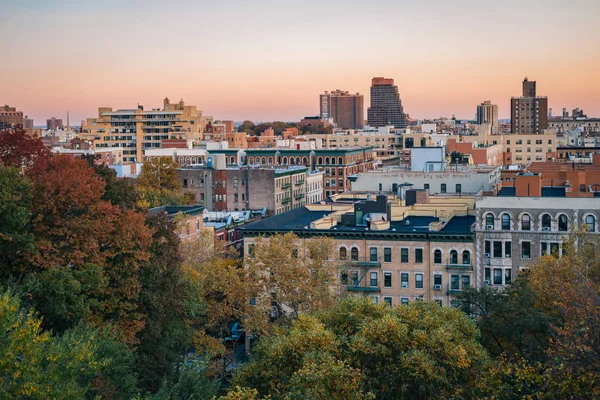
(270, 60)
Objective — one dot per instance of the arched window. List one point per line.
(343, 253)
(284, 160)
(250, 160)
(333, 160)
(263, 161)
(327, 160)
(590, 221)
(270, 160)
(340, 160)
(546, 222)
(232, 159)
(354, 254)
(466, 259)
(437, 257)
(563, 223)
(304, 160)
(453, 257)
(489, 220)
(526, 222)
(506, 222)
(321, 160)
(298, 160)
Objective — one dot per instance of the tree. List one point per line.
(17, 149)
(247, 126)
(291, 276)
(419, 351)
(118, 191)
(190, 382)
(16, 239)
(158, 183)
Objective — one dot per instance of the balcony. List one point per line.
(363, 262)
(363, 289)
(286, 186)
(286, 201)
(455, 264)
(454, 288)
(300, 182)
(299, 196)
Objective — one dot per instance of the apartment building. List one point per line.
(487, 113)
(529, 113)
(314, 186)
(190, 219)
(586, 125)
(386, 105)
(9, 117)
(345, 109)
(525, 219)
(523, 149)
(394, 251)
(137, 130)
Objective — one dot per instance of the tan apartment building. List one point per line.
(487, 113)
(523, 149)
(10, 116)
(136, 130)
(345, 109)
(396, 251)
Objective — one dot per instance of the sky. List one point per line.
(270, 59)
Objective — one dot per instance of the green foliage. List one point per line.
(420, 351)
(117, 191)
(191, 383)
(16, 239)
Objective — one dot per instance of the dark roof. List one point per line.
(172, 210)
(507, 191)
(553, 192)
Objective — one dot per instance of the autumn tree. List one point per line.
(358, 349)
(118, 191)
(158, 183)
(17, 149)
(291, 275)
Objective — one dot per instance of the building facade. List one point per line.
(528, 113)
(386, 105)
(9, 117)
(345, 109)
(53, 124)
(136, 130)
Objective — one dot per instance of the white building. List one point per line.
(314, 187)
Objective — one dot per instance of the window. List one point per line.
(497, 276)
(387, 279)
(466, 282)
(505, 222)
(497, 249)
(373, 279)
(404, 255)
(487, 247)
(466, 257)
(546, 222)
(489, 220)
(526, 222)
(454, 282)
(443, 188)
(344, 278)
(590, 221)
(375, 300)
(488, 275)
(458, 188)
(404, 301)
(437, 257)
(343, 253)
(354, 254)
(388, 300)
(373, 254)
(507, 276)
(526, 250)
(354, 278)
(380, 187)
(453, 257)
(418, 256)
(426, 186)
(563, 223)
(404, 280)
(508, 249)
(387, 254)
(419, 281)
(437, 279)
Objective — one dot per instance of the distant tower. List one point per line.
(487, 113)
(68, 123)
(550, 112)
(386, 106)
(528, 113)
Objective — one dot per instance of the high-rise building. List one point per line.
(529, 113)
(54, 123)
(344, 108)
(136, 130)
(386, 106)
(9, 117)
(27, 123)
(487, 113)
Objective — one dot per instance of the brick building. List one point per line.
(9, 117)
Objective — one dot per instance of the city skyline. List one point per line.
(270, 61)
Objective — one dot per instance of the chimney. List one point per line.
(528, 184)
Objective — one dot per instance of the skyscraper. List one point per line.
(54, 123)
(528, 113)
(487, 113)
(345, 109)
(386, 106)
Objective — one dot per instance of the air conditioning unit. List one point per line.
(546, 229)
(486, 282)
(437, 287)
(487, 255)
(489, 227)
